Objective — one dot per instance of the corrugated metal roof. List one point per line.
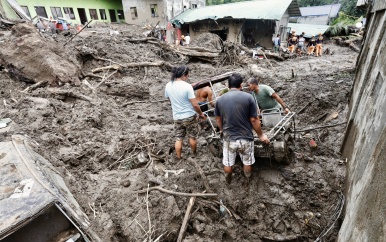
(331, 10)
(361, 3)
(258, 9)
(308, 29)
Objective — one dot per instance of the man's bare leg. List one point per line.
(193, 145)
(228, 174)
(247, 171)
(178, 146)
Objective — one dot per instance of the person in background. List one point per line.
(236, 116)
(319, 43)
(185, 108)
(301, 43)
(311, 45)
(276, 43)
(187, 39)
(182, 40)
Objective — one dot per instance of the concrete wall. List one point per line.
(167, 9)
(365, 140)
(86, 4)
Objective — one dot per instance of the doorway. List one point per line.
(222, 33)
(113, 17)
(82, 15)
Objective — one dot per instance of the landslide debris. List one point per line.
(112, 136)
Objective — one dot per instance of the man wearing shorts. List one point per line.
(236, 116)
(185, 108)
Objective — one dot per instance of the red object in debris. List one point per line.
(313, 144)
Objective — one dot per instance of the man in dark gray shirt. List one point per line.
(236, 116)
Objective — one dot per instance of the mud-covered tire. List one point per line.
(289, 149)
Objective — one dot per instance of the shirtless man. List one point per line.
(204, 96)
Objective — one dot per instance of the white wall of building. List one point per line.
(166, 9)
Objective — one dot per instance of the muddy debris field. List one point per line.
(96, 110)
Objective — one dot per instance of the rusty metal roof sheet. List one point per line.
(257, 9)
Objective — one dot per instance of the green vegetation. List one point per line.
(340, 26)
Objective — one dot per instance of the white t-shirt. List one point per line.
(301, 41)
(187, 40)
(179, 93)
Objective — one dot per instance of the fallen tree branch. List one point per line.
(34, 86)
(203, 177)
(186, 219)
(104, 79)
(321, 127)
(129, 65)
(156, 101)
(70, 94)
(177, 193)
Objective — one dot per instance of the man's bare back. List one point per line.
(205, 94)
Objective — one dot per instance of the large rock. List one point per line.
(31, 58)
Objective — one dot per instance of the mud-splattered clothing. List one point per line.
(187, 126)
(264, 98)
(244, 148)
(235, 109)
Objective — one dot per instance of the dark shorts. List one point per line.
(203, 106)
(187, 126)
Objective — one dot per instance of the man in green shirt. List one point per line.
(265, 96)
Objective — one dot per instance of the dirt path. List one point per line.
(111, 139)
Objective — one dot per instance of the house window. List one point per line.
(56, 12)
(134, 13)
(102, 12)
(69, 12)
(93, 14)
(121, 15)
(194, 5)
(153, 10)
(25, 9)
(41, 11)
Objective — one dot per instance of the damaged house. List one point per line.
(251, 23)
(157, 11)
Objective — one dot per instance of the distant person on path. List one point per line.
(311, 45)
(276, 44)
(265, 96)
(236, 116)
(185, 108)
(319, 45)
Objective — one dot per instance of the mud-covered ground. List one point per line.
(113, 138)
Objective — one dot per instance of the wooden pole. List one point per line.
(186, 219)
(77, 33)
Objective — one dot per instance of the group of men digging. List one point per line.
(236, 115)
